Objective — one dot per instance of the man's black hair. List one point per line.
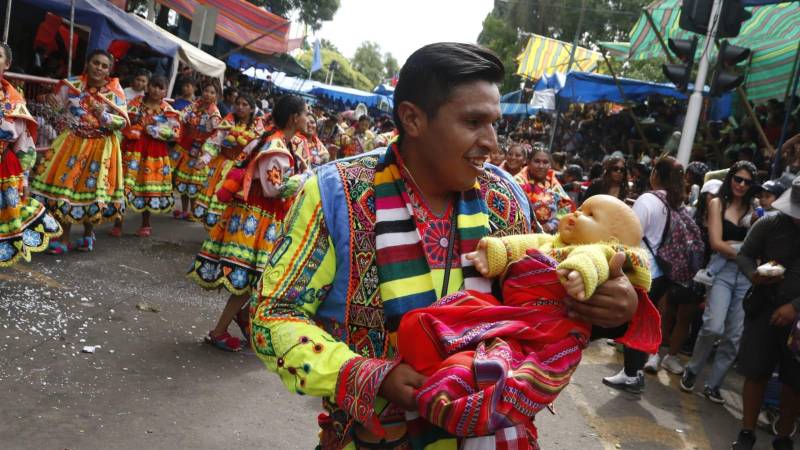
(141, 73)
(431, 73)
(230, 91)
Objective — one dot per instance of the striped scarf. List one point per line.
(403, 271)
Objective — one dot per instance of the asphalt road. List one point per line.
(153, 384)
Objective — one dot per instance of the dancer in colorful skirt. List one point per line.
(146, 161)
(199, 122)
(25, 225)
(258, 192)
(220, 153)
(310, 147)
(80, 179)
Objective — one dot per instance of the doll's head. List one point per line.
(601, 218)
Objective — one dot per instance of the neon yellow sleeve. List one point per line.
(295, 283)
(503, 251)
(591, 261)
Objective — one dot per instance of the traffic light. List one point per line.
(695, 15)
(724, 79)
(731, 18)
(679, 74)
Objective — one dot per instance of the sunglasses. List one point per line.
(739, 180)
(618, 169)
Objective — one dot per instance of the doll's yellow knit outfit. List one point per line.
(590, 260)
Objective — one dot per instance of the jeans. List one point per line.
(723, 319)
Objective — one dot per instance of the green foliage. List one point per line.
(311, 12)
(390, 65)
(368, 61)
(345, 75)
(501, 38)
(505, 28)
(647, 70)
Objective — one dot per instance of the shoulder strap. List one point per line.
(666, 225)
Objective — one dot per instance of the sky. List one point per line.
(402, 26)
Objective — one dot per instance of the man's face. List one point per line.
(460, 136)
(139, 83)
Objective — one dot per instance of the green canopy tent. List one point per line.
(772, 34)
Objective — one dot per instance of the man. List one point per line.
(228, 100)
(372, 237)
(138, 85)
(770, 312)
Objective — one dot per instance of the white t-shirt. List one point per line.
(131, 94)
(652, 214)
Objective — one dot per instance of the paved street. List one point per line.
(153, 384)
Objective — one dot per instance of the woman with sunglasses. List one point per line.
(729, 219)
(614, 181)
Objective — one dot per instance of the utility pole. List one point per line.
(696, 99)
(569, 67)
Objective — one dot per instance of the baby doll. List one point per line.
(497, 363)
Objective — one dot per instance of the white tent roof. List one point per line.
(190, 55)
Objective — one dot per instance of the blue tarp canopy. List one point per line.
(107, 23)
(384, 89)
(511, 97)
(277, 62)
(517, 109)
(354, 96)
(554, 80)
(581, 87)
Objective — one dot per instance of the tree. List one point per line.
(311, 12)
(344, 75)
(390, 65)
(368, 61)
(510, 20)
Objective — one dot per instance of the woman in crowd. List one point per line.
(729, 217)
(199, 122)
(653, 209)
(548, 200)
(258, 192)
(146, 163)
(310, 147)
(515, 158)
(81, 179)
(25, 225)
(614, 181)
(220, 153)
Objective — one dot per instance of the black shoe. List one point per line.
(713, 395)
(745, 441)
(783, 443)
(688, 379)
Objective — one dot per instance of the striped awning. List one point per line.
(772, 34)
(241, 22)
(544, 55)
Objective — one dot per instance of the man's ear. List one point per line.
(413, 118)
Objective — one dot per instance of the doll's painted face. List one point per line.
(601, 218)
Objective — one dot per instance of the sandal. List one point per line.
(84, 244)
(56, 248)
(224, 342)
(242, 318)
(144, 232)
(186, 215)
(115, 232)
(177, 214)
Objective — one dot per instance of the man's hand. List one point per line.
(399, 385)
(758, 279)
(784, 315)
(613, 303)
(480, 259)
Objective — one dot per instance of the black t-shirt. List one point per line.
(775, 238)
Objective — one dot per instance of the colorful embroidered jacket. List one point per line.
(199, 122)
(318, 317)
(549, 202)
(80, 101)
(161, 124)
(17, 130)
(311, 149)
(231, 137)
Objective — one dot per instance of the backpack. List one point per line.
(680, 254)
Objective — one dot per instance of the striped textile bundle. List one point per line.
(405, 280)
(492, 366)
